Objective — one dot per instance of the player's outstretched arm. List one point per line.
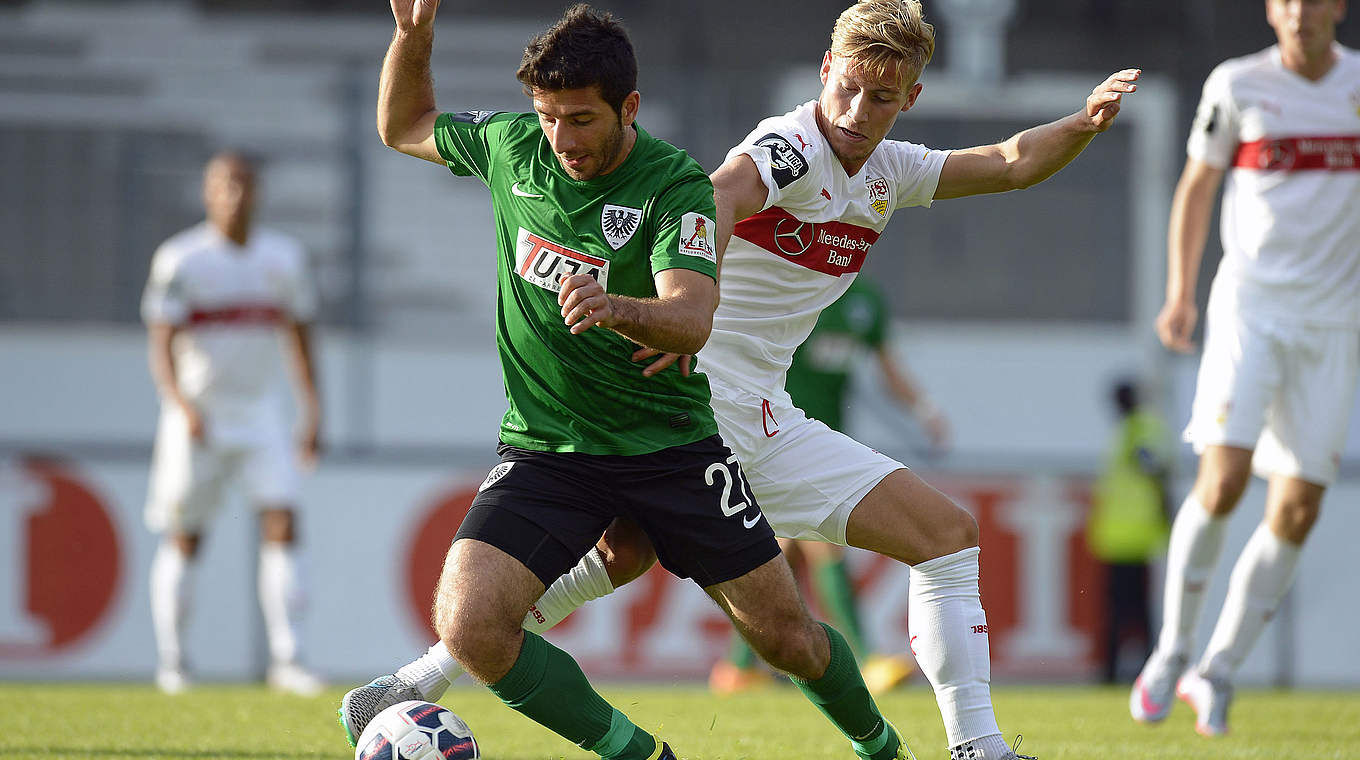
(406, 105)
(1191, 207)
(1035, 154)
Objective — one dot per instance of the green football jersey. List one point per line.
(819, 376)
(655, 211)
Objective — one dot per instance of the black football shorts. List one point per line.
(548, 509)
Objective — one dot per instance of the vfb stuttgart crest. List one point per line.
(878, 194)
(619, 223)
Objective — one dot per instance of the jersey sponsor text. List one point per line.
(544, 263)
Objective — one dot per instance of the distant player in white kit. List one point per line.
(1278, 373)
(221, 297)
(802, 198)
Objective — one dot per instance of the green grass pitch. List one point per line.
(110, 721)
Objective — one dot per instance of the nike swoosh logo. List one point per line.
(751, 523)
(515, 189)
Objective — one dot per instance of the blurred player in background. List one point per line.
(221, 296)
(1278, 373)
(819, 382)
(808, 193)
(605, 241)
(1127, 525)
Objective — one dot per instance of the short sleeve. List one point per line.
(464, 141)
(685, 227)
(302, 294)
(777, 149)
(1214, 133)
(918, 172)
(164, 299)
(877, 334)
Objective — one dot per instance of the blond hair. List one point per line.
(878, 34)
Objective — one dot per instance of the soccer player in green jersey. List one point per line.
(605, 240)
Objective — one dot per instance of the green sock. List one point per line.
(741, 654)
(842, 696)
(837, 595)
(547, 686)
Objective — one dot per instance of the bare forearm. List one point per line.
(663, 325)
(161, 362)
(1038, 153)
(406, 87)
(1187, 233)
(304, 371)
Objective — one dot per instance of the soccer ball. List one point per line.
(416, 730)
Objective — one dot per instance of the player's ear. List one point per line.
(912, 95)
(826, 66)
(628, 113)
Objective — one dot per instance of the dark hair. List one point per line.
(1126, 396)
(585, 47)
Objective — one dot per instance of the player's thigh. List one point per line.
(272, 483)
(906, 518)
(1306, 426)
(188, 481)
(696, 508)
(1239, 373)
(807, 476)
(545, 510)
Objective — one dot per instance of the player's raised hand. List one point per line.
(584, 303)
(1175, 325)
(410, 14)
(1103, 104)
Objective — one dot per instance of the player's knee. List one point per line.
(473, 640)
(792, 648)
(1293, 520)
(1219, 489)
(626, 551)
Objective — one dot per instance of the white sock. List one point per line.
(949, 638)
(171, 593)
(1263, 574)
(281, 599)
(434, 671)
(588, 580)
(1196, 542)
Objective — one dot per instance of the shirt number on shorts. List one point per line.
(725, 470)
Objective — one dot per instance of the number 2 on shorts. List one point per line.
(725, 502)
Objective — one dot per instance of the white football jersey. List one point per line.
(1290, 221)
(800, 253)
(229, 301)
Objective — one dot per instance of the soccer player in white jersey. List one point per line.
(220, 296)
(1278, 373)
(802, 199)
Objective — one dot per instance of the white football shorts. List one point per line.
(1285, 390)
(189, 481)
(806, 476)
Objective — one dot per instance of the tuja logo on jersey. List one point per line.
(544, 263)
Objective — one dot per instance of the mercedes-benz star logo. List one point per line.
(794, 237)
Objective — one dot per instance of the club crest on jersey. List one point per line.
(878, 194)
(619, 223)
(696, 237)
(474, 117)
(544, 263)
(786, 163)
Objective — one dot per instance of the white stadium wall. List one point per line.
(74, 552)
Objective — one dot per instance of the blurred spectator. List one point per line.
(219, 297)
(1127, 527)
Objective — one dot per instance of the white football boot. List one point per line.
(1154, 690)
(171, 680)
(291, 678)
(1210, 698)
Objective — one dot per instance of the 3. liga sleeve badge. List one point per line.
(696, 237)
